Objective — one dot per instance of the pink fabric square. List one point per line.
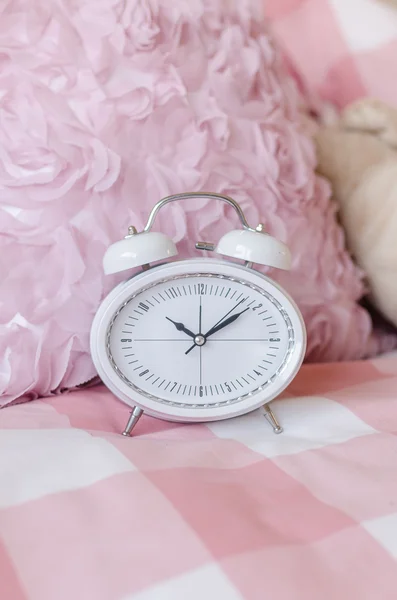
(342, 82)
(10, 586)
(304, 31)
(374, 402)
(320, 379)
(39, 415)
(378, 68)
(99, 543)
(357, 477)
(82, 409)
(241, 510)
(349, 565)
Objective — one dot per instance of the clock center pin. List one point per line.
(199, 340)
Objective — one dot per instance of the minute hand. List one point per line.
(224, 323)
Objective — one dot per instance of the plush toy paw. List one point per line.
(372, 116)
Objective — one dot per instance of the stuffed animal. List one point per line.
(359, 156)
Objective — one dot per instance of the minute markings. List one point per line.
(252, 377)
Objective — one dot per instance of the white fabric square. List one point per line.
(309, 422)
(34, 463)
(384, 530)
(365, 24)
(205, 582)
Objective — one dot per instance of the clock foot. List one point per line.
(272, 419)
(133, 420)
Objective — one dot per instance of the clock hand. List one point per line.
(224, 323)
(200, 348)
(220, 324)
(181, 327)
(229, 311)
(199, 333)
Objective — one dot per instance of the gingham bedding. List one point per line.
(220, 511)
(342, 49)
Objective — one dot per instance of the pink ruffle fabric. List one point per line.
(105, 107)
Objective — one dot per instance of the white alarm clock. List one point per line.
(202, 339)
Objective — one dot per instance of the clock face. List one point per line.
(201, 340)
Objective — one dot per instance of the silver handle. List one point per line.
(191, 195)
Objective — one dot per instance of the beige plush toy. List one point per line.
(359, 156)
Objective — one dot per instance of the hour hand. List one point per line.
(181, 327)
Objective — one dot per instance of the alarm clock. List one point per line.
(201, 339)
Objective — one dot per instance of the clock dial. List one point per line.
(200, 340)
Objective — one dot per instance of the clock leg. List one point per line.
(133, 420)
(272, 419)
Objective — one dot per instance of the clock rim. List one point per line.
(132, 398)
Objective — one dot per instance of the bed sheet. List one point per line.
(342, 49)
(220, 511)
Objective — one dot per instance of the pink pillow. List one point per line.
(105, 108)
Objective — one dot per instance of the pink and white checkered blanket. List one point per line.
(344, 49)
(225, 511)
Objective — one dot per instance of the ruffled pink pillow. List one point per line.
(108, 106)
